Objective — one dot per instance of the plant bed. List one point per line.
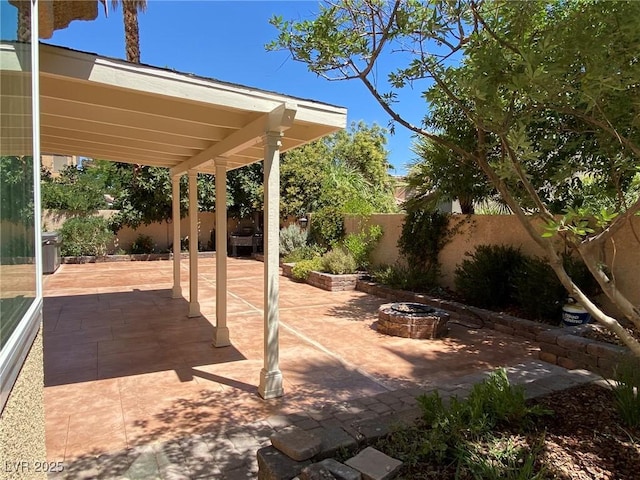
(583, 438)
(325, 281)
(134, 257)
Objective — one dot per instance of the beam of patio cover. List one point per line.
(279, 119)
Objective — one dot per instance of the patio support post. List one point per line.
(194, 306)
(175, 217)
(271, 376)
(221, 332)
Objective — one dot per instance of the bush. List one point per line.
(450, 433)
(423, 235)
(85, 236)
(306, 252)
(292, 238)
(361, 245)
(338, 262)
(407, 277)
(302, 269)
(627, 390)
(143, 244)
(327, 227)
(538, 291)
(487, 278)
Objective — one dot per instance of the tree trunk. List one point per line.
(24, 22)
(131, 33)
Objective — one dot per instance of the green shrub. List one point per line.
(424, 233)
(486, 279)
(85, 236)
(143, 244)
(292, 238)
(306, 252)
(327, 227)
(627, 390)
(302, 269)
(338, 262)
(361, 245)
(538, 291)
(405, 277)
(451, 434)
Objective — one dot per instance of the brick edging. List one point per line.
(133, 257)
(563, 346)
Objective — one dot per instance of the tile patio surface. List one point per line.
(129, 378)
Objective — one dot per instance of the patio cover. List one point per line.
(111, 109)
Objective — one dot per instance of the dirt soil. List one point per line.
(585, 438)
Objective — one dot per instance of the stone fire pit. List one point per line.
(412, 320)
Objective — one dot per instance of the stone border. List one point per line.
(353, 425)
(562, 346)
(133, 257)
(325, 281)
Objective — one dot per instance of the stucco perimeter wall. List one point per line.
(476, 230)
(22, 433)
(162, 233)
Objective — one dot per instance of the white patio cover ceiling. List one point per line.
(115, 110)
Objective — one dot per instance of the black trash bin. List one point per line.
(50, 251)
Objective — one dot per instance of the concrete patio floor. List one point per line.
(125, 369)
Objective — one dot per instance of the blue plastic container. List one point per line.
(574, 314)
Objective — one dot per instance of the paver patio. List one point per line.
(127, 372)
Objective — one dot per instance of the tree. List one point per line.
(147, 191)
(80, 190)
(439, 174)
(130, 9)
(347, 170)
(514, 69)
(245, 190)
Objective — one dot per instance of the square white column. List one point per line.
(194, 306)
(221, 333)
(270, 375)
(175, 217)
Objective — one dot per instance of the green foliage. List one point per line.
(424, 234)
(438, 173)
(347, 171)
(143, 244)
(542, 97)
(496, 458)
(146, 195)
(16, 189)
(85, 236)
(486, 279)
(338, 262)
(403, 277)
(245, 190)
(305, 252)
(14, 247)
(362, 244)
(78, 190)
(303, 268)
(454, 434)
(538, 291)
(327, 227)
(292, 237)
(626, 390)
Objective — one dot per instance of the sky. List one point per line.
(225, 40)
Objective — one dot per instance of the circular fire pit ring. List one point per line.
(412, 320)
